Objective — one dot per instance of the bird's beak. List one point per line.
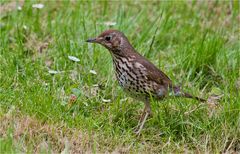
(92, 40)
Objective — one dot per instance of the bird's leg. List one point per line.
(141, 118)
(145, 114)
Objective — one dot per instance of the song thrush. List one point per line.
(135, 74)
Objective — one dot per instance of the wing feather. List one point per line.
(153, 73)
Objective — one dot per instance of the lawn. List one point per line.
(52, 103)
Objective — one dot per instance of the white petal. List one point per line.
(73, 58)
(106, 100)
(93, 72)
(24, 27)
(109, 23)
(19, 8)
(53, 72)
(38, 6)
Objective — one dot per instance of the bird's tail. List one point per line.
(178, 92)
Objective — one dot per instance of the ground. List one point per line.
(59, 94)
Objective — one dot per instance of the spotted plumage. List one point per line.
(135, 74)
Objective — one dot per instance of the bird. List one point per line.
(137, 76)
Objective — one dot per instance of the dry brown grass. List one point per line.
(10, 6)
(32, 135)
(42, 136)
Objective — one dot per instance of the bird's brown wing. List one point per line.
(153, 73)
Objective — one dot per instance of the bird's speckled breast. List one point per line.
(132, 78)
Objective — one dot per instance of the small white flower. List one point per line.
(93, 72)
(24, 27)
(73, 58)
(106, 100)
(38, 6)
(19, 8)
(52, 72)
(109, 23)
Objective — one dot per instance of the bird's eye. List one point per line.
(107, 38)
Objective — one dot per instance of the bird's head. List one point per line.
(114, 40)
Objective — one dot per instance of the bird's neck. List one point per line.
(123, 51)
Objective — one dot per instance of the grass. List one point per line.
(196, 44)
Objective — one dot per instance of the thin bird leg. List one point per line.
(140, 120)
(142, 116)
(147, 112)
